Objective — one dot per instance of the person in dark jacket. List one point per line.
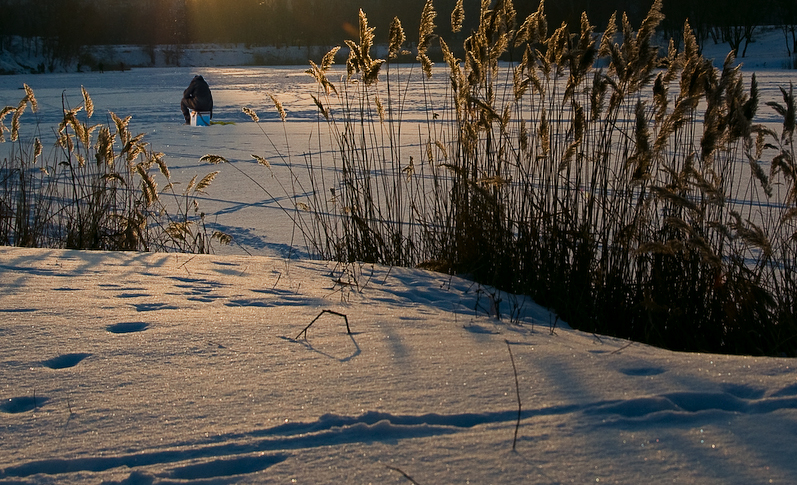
(196, 97)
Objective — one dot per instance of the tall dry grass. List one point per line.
(638, 199)
(96, 188)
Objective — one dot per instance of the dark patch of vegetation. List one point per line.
(639, 199)
(61, 28)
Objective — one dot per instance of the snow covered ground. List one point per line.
(173, 368)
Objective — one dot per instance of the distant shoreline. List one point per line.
(24, 60)
(26, 56)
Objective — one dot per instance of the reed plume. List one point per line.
(396, 39)
(425, 36)
(457, 17)
(360, 60)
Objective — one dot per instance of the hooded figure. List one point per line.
(196, 97)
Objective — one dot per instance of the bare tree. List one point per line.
(786, 13)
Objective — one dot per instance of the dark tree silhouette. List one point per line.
(61, 27)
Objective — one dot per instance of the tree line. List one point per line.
(63, 26)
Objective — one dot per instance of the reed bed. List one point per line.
(639, 199)
(96, 189)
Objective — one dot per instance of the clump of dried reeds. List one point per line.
(97, 190)
(631, 198)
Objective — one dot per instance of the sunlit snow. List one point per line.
(177, 368)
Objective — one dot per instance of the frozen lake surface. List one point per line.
(152, 97)
(257, 222)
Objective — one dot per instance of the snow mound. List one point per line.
(132, 368)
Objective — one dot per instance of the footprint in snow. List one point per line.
(788, 391)
(226, 467)
(65, 361)
(151, 307)
(127, 327)
(22, 404)
(642, 371)
(133, 294)
(744, 391)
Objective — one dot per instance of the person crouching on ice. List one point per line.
(196, 97)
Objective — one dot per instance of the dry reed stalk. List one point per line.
(555, 177)
(425, 36)
(83, 205)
